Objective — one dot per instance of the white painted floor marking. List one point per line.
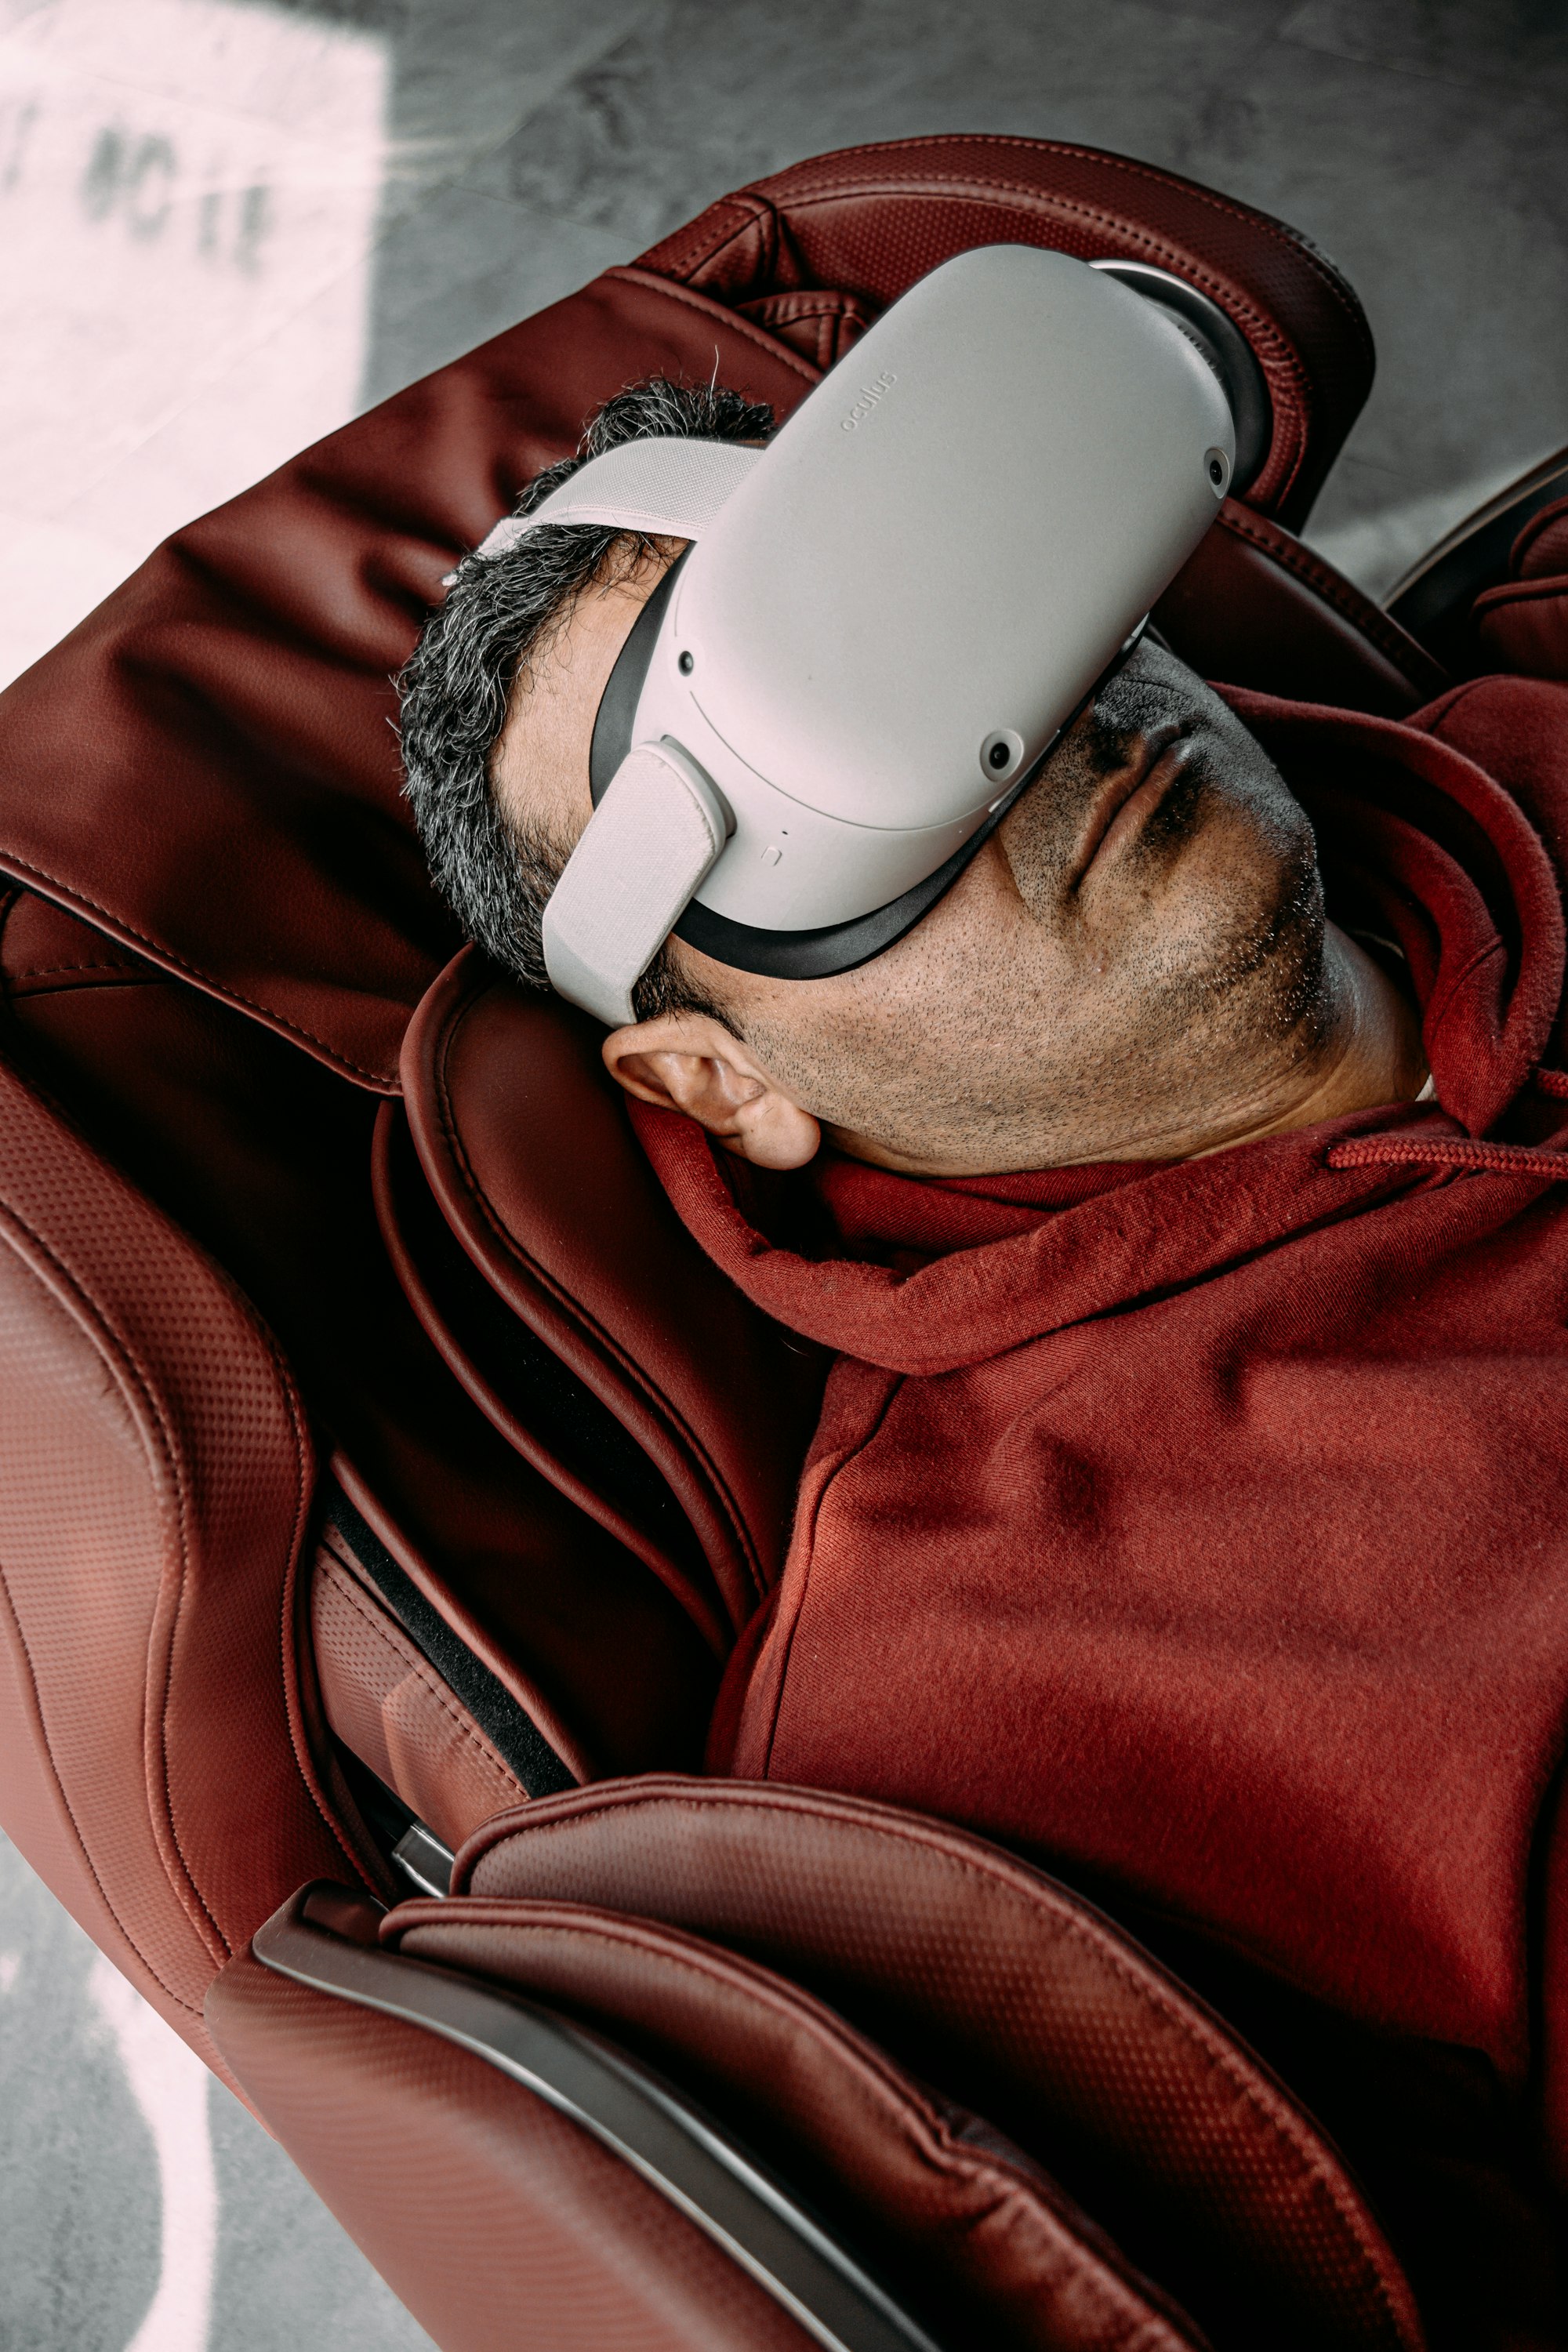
(169, 2084)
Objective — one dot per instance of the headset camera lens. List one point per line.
(999, 755)
(686, 665)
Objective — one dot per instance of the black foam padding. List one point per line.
(513, 1734)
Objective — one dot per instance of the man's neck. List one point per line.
(1366, 1050)
(1373, 1055)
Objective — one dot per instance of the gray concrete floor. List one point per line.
(139, 2204)
(225, 226)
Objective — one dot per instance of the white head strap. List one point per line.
(666, 489)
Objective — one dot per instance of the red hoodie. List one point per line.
(1204, 1526)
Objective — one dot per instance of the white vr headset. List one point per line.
(886, 617)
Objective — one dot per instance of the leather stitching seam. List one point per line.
(901, 2092)
(988, 192)
(575, 1311)
(67, 893)
(1278, 231)
(156, 1974)
(692, 299)
(701, 253)
(116, 1351)
(662, 1406)
(292, 1715)
(1281, 353)
(1253, 2093)
(1341, 594)
(56, 971)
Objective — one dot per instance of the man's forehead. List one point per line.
(541, 762)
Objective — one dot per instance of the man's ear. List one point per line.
(690, 1062)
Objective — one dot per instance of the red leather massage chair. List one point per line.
(386, 1477)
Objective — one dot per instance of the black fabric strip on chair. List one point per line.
(516, 1738)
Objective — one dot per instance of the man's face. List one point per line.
(1145, 925)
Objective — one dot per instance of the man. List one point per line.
(1135, 966)
(1181, 1202)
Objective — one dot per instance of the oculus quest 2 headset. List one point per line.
(887, 617)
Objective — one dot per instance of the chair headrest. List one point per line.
(524, 1140)
(205, 769)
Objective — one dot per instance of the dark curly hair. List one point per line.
(495, 870)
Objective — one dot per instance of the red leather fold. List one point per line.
(970, 2229)
(528, 1154)
(1020, 2000)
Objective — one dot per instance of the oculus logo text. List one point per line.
(871, 393)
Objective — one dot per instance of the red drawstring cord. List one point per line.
(1448, 1151)
(1460, 1150)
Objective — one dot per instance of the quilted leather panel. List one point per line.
(869, 220)
(496, 2220)
(1022, 2001)
(157, 1473)
(977, 2237)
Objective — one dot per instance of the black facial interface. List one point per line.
(617, 710)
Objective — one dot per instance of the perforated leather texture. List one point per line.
(978, 2236)
(1022, 2002)
(157, 1474)
(496, 2220)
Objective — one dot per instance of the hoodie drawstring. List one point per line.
(1449, 1151)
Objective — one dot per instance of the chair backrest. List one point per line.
(163, 1763)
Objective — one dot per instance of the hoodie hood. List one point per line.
(1455, 870)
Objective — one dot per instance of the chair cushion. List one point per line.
(497, 2220)
(975, 2234)
(1020, 2000)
